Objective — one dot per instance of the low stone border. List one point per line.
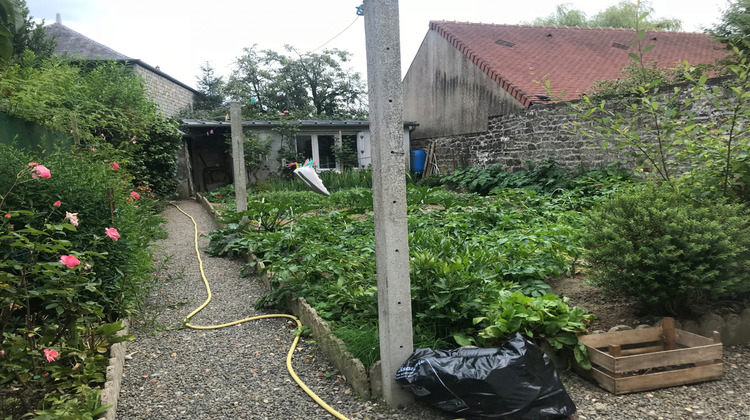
(111, 390)
(332, 346)
(734, 330)
(203, 201)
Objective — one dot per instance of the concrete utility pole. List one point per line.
(238, 156)
(389, 193)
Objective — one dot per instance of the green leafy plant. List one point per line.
(668, 251)
(659, 126)
(74, 251)
(547, 318)
(466, 254)
(100, 104)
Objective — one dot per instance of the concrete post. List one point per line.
(238, 156)
(389, 192)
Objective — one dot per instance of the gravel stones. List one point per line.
(239, 372)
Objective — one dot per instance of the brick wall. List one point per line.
(169, 96)
(531, 135)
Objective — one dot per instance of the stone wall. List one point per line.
(513, 139)
(168, 95)
(532, 135)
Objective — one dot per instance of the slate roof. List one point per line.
(73, 44)
(571, 58)
(77, 46)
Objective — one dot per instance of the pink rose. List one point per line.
(135, 195)
(2, 352)
(72, 217)
(51, 355)
(93, 149)
(57, 203)
(40, 171)
(69, 261)
(112, 233)
(114, 166)
(7, 215)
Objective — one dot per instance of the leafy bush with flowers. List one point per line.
(74, 258)
(103, 105)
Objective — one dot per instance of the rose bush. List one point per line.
(68, 272)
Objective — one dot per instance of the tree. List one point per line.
(211, 88)
(734, 28)
(11, 21)
(30, 35)
(564, 15)
(307, 85)
(623, 15)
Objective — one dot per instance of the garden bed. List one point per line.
(651, 358)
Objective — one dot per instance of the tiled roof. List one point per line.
(73, 44)
(572, 59)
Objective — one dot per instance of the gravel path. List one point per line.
(239, 372)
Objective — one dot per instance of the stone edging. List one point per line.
(734, 330)
(111, 389)
(332, 346)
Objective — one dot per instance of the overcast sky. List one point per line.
(181, 35)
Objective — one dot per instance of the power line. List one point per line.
(337, 35)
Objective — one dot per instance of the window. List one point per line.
(323, 149)
(304, 146)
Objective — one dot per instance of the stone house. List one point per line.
(466, 74)
(211, 163)
(168, 93)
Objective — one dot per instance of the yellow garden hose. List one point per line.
(252, 318)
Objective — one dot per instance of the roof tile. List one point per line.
(572, 59)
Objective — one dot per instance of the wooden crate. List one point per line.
(651, 358)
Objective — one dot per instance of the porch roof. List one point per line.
(348, 124)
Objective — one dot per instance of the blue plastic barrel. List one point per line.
(417, 160)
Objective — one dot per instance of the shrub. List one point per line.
(98, 103)
(64, 279)
(666, 251)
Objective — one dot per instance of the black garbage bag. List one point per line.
(515, 381)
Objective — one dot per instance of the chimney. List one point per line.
(58, 19)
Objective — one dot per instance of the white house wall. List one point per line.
(447, 94)
(364, 148)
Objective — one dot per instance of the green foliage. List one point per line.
(211, 88)
(648, 75)
(660, 129)
(626, 14)
(46, 305)
(255, 151)
(102, 102)
(465, 256)
(30, 35)
(734, 28)
(543, 177)
(546, 318)
(312, 85)
(667, 251)
(11, 20)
